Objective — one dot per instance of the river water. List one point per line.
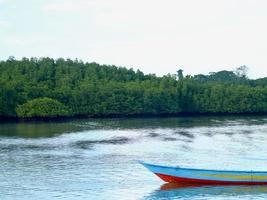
(97, 159)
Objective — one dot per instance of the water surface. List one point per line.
(85, 159)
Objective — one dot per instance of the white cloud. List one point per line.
(67, 6)
(4, 1)
(4, 23)
(70, 5)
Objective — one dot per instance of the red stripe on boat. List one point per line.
(174, 179)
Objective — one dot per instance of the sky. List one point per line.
(154, 36)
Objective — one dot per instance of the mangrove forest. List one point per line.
(46, 87)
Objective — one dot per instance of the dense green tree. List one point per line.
(42, 107)
(72, 87)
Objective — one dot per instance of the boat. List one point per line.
(205, 176)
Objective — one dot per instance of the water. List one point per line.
(97, 159)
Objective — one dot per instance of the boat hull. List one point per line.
(208, 177)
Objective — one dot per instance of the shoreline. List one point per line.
(117, 116)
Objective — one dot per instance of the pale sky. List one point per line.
(199, 36)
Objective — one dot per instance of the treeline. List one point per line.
(46, 87)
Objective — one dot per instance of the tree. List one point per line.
(11, 58)
(42, 107)
(180, 74)
(44, 87)
(242, 71)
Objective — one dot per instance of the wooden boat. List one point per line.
(208, 177)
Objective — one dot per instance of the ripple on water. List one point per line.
(88, 144)
(184, 134)
(153, 135)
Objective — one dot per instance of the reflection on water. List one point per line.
(185, 134)
(193, 191)
(113, 141)
(36, 129)
(49, 129)
(97, 158)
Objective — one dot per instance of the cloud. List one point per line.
(3, 23)
(84, 5)
(65, 7)
(69, 6)
(4, 1)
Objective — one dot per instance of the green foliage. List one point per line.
(36, 86)
(224, 76)
(42, 107)
(180, 74)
